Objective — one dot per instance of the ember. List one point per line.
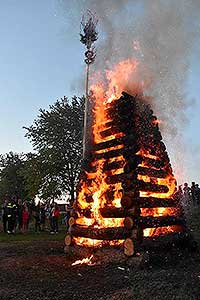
(129, 192)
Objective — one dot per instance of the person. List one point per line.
(11, 211)
(42, 217)
(25, 218)
(4, 215)
(36, 215)
(192, 189)
(19, 214)
(55, 215)
(197, 194)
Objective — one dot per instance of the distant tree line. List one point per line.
(53, 168)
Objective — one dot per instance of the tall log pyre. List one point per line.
(127, 192)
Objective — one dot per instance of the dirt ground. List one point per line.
(39, 270)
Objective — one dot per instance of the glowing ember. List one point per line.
(84, 261)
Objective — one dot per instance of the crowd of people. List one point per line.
(190, 195)
(17, 215)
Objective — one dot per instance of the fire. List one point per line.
(170, 182)
(96, 184)
(85, 261)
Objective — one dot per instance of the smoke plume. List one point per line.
(162, 35)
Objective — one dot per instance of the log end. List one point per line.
(129, 248)
(68, 240)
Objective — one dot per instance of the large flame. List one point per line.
(96, 186)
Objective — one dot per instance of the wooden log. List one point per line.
(141, 185)
(115, 212)
(110, 131)
(111, 233)
(112, 212)
(71, 221)
(129, 223)
(152, 222)
(110, 154)
(121, 178)
(129, 248)
(109, 144)
(151, 187)
(151, 202)
(114, 165)
(68, 240)
(151, 172)
(150, 162)
(129, 199)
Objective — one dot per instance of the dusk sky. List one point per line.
(41, 59)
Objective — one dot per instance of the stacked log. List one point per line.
(137, 128)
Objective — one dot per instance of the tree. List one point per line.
(11, 182)
(56, 136)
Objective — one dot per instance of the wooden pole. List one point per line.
(86, 111)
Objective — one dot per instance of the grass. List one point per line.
(32, 236)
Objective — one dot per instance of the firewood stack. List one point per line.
(134, 168)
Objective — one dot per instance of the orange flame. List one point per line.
(85, 261)
(96, 186)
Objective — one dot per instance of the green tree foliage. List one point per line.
(56, 136)
(11, 182)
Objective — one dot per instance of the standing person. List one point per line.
(5, 215)
(19, 214)
(197, 194)
(193, 193)
(55, 216)
(25, 218)
(36, 214)
(11, 211)
(42, 217)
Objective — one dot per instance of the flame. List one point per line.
(97, 243)
(96, 185)
(169, 182)
(85, 261)
(147, 232)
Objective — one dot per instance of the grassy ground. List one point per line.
(32, 236)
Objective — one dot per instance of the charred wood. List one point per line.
(151, 172)
(111, 233)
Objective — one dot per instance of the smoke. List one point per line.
(165, 32)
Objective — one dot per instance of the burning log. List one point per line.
(71, 221)
(68, 240)
(151, 222)
(144, 186)
(115, 212)
(113, 165)
(120, 178)
(151, 172)
(151, 202)
(110, 131)
(109, 144)
(111, 233)
(112, 212)
(129, 199)
(129, 223)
